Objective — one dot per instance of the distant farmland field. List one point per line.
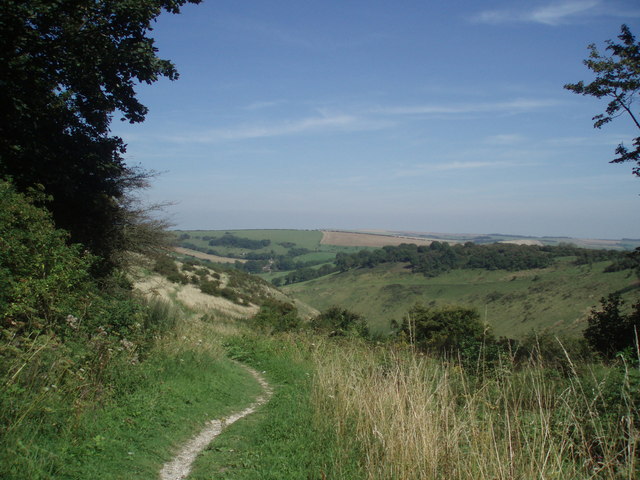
(205, 256)
(350, 239)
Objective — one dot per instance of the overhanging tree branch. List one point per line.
(618, 77)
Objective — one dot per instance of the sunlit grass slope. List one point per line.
(514, 303)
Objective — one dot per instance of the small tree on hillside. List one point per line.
(610, 331)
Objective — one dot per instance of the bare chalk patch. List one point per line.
(180, 466)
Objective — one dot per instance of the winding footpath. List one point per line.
(180, 466)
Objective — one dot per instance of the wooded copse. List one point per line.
(441, 257)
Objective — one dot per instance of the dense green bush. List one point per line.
(441, 330)
(64, 336)
(166, 266)
(337, 321)
(42, 280)
(611, 331)
(276, 316)
(210, 287)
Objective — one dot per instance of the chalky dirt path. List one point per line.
(180, 466)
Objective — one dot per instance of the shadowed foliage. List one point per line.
(68, 67)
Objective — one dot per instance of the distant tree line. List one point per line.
(279, 263)
(431, 260)
(441, 257)
(304, 274)
(230, 240)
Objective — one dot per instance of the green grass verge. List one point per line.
(154, 407)
(284, 439)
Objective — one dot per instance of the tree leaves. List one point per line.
(69, 66)
(618, 78)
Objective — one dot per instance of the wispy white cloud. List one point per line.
(426, 168)
(553, 14)
(504, 139)
(556, 14)
(288, 35)
(467, 165)
(319, 124)
(260, 105)
(514, 106)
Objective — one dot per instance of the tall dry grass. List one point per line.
(406, 416)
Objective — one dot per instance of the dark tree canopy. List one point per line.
(618, 79)
(68, 67)
(611, 331)
(443, 329)
(340, 322)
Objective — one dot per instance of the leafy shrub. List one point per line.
(188, 267)
(550, 351)
(337, 321)
(210, 287)
(276, 316)
(42, 280)
(229, 294)
(166, 266)
(443, 329)
(631, 261)
(64, 336)
(610, 331)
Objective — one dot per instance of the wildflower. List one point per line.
(72, 322)
(128, 346)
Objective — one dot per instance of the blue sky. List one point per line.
(416, 115)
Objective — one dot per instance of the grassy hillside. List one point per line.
(514, 303)
(558, 298)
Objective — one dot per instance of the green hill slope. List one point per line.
(514, 303)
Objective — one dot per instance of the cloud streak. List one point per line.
(504, 139)
(554, 14)
(455, 165)
(367, 119)
(309, 125)
(512, 106)
(260, 105)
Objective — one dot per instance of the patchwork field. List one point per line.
(301, 245)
